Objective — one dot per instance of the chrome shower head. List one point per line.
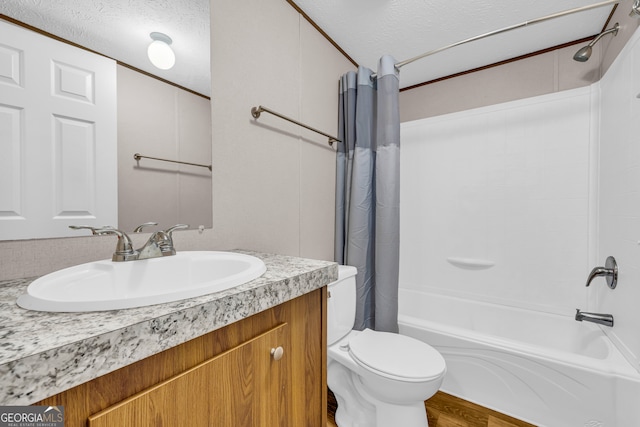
(584, 53)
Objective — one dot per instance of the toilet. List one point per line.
(380, 379)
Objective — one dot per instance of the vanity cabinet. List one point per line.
(235, 388)
(233, 377)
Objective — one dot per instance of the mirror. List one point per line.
(161, 113)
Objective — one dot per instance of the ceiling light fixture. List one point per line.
(160, 53)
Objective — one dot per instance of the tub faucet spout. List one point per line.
(599, 318)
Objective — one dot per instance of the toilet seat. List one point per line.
(396, 356)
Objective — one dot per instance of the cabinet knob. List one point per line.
(277, 353)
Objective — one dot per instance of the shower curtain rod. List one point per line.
(504, 30)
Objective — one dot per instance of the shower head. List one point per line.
(584, 53)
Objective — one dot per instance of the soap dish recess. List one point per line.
(470, 263)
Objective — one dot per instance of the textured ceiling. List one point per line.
(367, 29)
(364, 29)
(120, 29)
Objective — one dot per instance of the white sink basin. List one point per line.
(107, 285)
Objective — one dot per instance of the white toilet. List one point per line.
(380, 379)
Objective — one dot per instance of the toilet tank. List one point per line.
(341, 306)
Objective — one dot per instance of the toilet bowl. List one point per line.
(379, 379)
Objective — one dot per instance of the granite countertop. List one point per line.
(43, 353)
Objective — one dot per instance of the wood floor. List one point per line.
(444, 410)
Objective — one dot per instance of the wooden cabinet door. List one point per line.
(244, 386)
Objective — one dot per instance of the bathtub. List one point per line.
(546, 369)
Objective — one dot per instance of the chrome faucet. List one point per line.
(599, 318)
(124, 247)
(609, 271)
(159, 244)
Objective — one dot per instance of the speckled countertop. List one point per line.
(42, 354)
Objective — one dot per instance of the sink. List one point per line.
(107, 285)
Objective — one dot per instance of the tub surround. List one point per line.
(565, 373)
(45, 353)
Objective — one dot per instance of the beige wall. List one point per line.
(273, 181)
(160, 120)
(546, 73)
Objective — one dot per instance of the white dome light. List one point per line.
(160, 53)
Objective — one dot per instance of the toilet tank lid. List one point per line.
(345, 271)
(397, 356)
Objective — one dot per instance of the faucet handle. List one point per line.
(166, 239)
(96, 231)
(124, 248)
(176, 227)
(609, 271)
(139, 228)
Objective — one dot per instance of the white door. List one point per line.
(57, 136)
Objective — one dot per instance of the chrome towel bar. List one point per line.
(255, 112)
(139, 156)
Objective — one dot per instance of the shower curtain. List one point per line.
(367, 191)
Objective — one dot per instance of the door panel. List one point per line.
(244, 386)
(58, 136)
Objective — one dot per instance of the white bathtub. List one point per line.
(542, 368)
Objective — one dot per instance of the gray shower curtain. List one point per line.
(367, 191)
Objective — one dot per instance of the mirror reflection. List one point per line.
(167, 117)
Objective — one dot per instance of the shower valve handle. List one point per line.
(609, 271)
